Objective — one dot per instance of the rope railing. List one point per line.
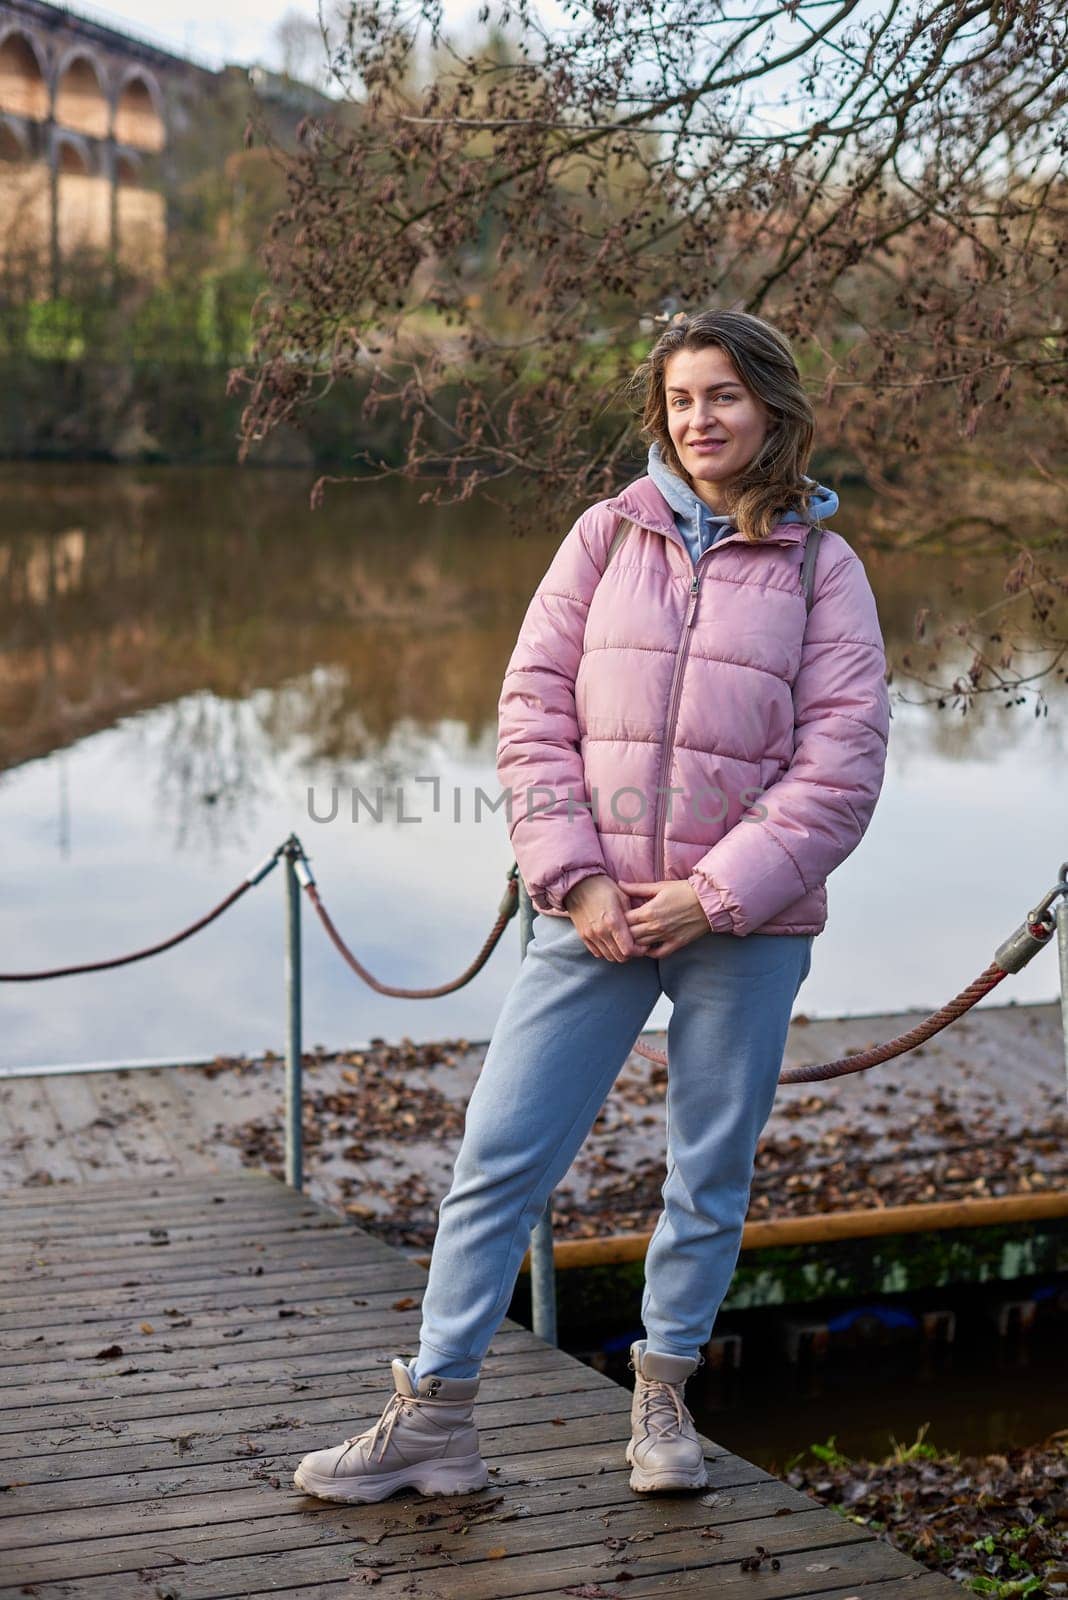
(151, 949)
(298, 875)
(1033, 934)
(875, 1055)
(292, 848)
(505, 912)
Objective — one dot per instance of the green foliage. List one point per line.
(107, 318)
(1003, 1588)
(997, 1547)
(918, 1450)
(829, 1453)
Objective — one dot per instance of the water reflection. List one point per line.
(184, 653)
(127, 588)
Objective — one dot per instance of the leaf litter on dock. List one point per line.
(382, 1125)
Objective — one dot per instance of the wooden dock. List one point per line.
(171, 1347)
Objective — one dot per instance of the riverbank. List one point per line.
(165, 410)
(995, 1523)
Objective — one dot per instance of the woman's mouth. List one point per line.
(708, 446)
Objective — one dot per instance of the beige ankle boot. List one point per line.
(425, 1439)
(664, 1450)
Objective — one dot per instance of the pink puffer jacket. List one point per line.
(643, 713)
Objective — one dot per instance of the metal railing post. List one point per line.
(1062, 961)
(294, 1048)
(542, 1266)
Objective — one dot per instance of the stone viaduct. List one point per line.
(87, 115)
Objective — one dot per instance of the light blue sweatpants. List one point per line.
(566, 1027)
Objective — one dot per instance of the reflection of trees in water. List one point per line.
(358, 629)
(216, 761)
(212, 770)
(317, 725)
(318, 718)
(192, 582)
(952, 622)
(988, 732)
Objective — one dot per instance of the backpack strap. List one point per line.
(808, 565)
(623, 527)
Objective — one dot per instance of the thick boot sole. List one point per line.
(653, 1480)
(463, 1475)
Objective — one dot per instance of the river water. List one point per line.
(192, 662)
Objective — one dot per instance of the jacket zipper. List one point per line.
(682, 651)
(668, 750)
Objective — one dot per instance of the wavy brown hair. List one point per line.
(774, 481)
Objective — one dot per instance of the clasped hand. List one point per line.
(669, 917)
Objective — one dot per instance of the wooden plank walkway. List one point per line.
(169, 1349)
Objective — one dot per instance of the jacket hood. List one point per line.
(701, 527)
(823, 504)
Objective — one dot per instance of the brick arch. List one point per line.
(25, 202)
(80, 101)
(72, 156)
(138, 119)
(83, 197)
(23, 76)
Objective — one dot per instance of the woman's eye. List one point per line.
(683, 400)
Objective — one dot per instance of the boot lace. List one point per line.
(380, 1432)
(662, 1408)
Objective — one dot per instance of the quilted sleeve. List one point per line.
(539, 763)
(816, 814)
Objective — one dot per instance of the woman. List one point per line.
(690, 752)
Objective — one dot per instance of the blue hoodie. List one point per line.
(701, 527)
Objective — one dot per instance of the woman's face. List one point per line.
(717, 425)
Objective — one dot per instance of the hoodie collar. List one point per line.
(653, 499)
(699, 526)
